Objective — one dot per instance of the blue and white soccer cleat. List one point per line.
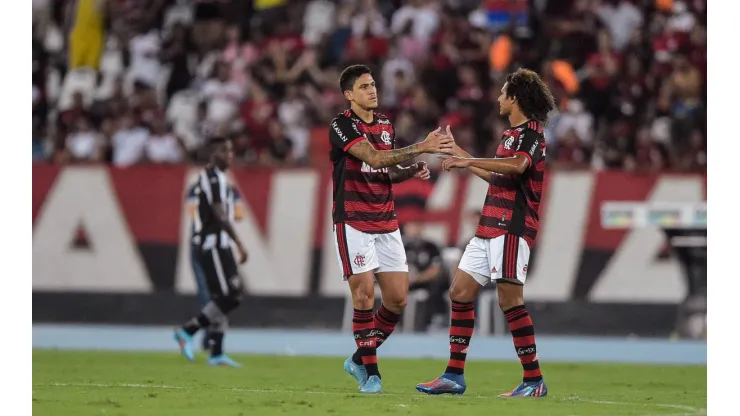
(444, 384)
(357, 371)
(372, 385)
(222, 360)
(185, 341)
(528, 389)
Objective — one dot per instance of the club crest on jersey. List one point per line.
(508, 143)
(385, 137)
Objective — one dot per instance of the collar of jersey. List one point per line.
(375, 118)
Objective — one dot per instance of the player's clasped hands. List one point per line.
(422, 171)
(437, 142)
(455, 162)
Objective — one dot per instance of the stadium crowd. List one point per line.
(149, 81)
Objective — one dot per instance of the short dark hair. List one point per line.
(532, 94)
(350, 75)
(217, 141)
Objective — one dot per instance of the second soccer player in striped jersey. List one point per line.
(507, 229)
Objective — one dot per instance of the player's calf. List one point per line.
(362, 326)
(363, 296)
(384, 322)
(213, 316)
(462, 293)
(511, 301)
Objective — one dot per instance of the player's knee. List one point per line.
(230, 302)
(363, 299)
(506, 304)
(363, 302)
(460, 293)
(396, 304)
(509, 296)
(237, 297)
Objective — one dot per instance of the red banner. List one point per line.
(136, 227)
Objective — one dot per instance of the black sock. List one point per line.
(198, 322)
(357, 357)
(217, 343)
(207, 340)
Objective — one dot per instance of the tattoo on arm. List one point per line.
(383, 158)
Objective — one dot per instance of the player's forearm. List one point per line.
(481, 173)
(388, 158)
(229, 228)
(220, 214)
(430, 274)
(400, 174)
(504, 166)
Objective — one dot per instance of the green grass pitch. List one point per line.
(140, 384)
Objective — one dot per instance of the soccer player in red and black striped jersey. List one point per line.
(507, 229)
(368, 241)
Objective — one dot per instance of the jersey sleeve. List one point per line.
(237, 195)
(190, 200)
(191, 196)
(343, 133)
(530, 145)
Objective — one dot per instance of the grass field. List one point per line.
(140, 384)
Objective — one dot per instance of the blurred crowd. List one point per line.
(150, 81)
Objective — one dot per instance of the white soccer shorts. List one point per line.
(501, 258)
(359, 252)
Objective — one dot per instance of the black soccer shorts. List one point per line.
(221, 272)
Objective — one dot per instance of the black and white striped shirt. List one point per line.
(212, 188)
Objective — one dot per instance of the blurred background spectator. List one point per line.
(427, 272)
(149, 81)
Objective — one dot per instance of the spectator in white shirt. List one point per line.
(222, 95)
(369, 21)
(621, 17)
(318, 21)
(128, 142)
(145, 65)
(292, 115)
(84, 144)
(163, 146)
(392, 66)
(423, 15)
(575, 118)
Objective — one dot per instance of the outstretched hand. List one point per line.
(422, 171)
(455, 162)
(437, 142)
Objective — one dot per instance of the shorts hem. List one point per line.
(392, 269)
(355, 272)
(481, 279)
(510, 281)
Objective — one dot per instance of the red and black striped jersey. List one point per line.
(513, 201)
(363, 196)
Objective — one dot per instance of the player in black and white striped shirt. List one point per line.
(214, 234)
